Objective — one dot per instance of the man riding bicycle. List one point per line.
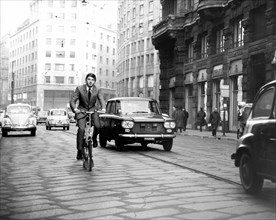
(86, 96)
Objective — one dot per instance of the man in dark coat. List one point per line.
(86, 95)
(214, 120)
(186, 116)
(179, 119)
(201, 119)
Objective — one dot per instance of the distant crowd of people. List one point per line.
(180, 115)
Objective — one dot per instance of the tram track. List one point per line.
(181, 166)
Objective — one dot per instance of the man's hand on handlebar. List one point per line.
(77, 110)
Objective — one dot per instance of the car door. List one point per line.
(265, 131)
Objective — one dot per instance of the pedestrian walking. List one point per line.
(200, 121)
(186, 116)
(214, 120)
(179, 119)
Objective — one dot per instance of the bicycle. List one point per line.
(88, 162)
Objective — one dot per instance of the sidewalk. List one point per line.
(208, 134)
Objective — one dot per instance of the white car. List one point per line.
(57, 118)
(18, 117)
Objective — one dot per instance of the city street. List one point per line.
(41, 179)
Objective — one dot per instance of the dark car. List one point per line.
(256, 150)
(136, 120)
(42, 117)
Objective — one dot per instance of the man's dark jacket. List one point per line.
(80, 100)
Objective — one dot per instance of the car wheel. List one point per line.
(119, 143)
(68, 128)
(63, 128)
(251, 182)
(103, 141)
(167, 145)
(49, 127)
(33, 133)
(4, 133)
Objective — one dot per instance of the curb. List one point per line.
(209, 137)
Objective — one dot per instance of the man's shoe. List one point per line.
(79, 155)
(95, 144)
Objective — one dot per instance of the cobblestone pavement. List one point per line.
(40, 179)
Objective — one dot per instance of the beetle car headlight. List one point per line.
(127, 124)
(170, 124)
(32, 121)
(6, 122)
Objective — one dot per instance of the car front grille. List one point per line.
(148, 127)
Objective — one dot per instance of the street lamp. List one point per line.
(12, 82)
(224, 123)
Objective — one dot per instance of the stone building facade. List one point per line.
(214, 54)
(138, 61)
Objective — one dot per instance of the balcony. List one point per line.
(167, 29)
(211, 9)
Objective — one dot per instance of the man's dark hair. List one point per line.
(91, 75)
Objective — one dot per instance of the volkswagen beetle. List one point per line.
(18, 117)
(136, 120)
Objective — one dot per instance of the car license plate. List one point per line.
(149, 139)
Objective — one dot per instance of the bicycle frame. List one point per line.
(87, 148)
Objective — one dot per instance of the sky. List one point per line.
(14, 12)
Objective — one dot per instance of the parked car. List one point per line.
(57, 118)
(2, 113)
(18, 117)
(42, 117)
(256, 150)
(136, 120)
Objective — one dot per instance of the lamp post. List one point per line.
(12, 83)
(224, 123)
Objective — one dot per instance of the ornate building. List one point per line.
(214, 54)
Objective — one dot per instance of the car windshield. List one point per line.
(58, 112)
(19, 109)
(143, 106)
(41, 114)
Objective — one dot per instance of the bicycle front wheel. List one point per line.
(90, 156)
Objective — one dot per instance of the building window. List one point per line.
(60, 54)
(71, 80)
(219, 41)
(73, 16)
(238, 33)
(73, 3)
(73, 29)
(61, 29)
(151, 6)
(62, 3)
(48, 28)
(259, 22)
(141, 9)
(59, 67)
(94, 45)
(190, 51)
(72, 54)
(48, 41)
(72, 67)
(59, 79)
(72, 42)
(47, 66)
(47, 79)
(106, 72)
(48, 53)
(50, 3)
(204, 46)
